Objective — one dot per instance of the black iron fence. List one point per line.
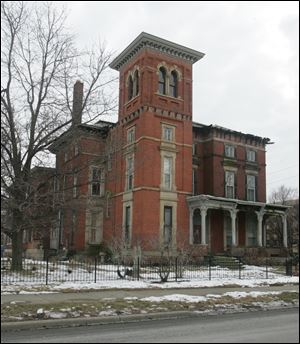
(92, 270)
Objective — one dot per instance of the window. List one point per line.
(194, 176)
(130, 135)
(108, 205)
(76, 149)
(167, 225)
(135, 84)
(197, 227)
(96, 181)
(75, 187)
(127, 225)
(73, 229)
(251, 230)
(168, 173)
(229, 151)
(228, 230)
(129, 173)
(173, 84)
(168, 133)
(194, 149)
(109, 162)
(229, 184)
(251, 155)
(162, 81)
(64, 186)
(93, 227)
(130, 87)
(251, 189)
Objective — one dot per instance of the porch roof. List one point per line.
(214, 202)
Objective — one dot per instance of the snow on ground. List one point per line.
(39, 288)
(194, 299)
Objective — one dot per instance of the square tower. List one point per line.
(155, 128)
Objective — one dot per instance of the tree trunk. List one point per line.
(17, 250)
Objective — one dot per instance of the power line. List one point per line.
(286, 178)
(283, 169)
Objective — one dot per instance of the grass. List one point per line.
(24, 311)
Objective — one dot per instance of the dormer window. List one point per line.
(162, 80)
(173, 84)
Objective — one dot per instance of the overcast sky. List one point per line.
(248, 79)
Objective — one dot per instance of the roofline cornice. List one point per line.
(145, 40)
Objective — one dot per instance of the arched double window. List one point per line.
(162, 80)
(173, 84)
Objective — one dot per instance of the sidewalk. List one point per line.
(90, 296)
(82, 308)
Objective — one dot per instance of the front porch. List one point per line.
(222, 224)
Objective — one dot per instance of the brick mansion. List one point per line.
(156, 178)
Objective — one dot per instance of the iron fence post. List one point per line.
(267, 276)
(47, 269)
(95, 279)
(176, 268)
(138, 268)
(209, 267)
(240, 268)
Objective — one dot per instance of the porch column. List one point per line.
(260, 216)
(233, 213)
(191, 226)
(203, 225)
(284, 223)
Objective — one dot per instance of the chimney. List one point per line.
(77, 102)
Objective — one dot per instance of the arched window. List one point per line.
(130, 87)
(173, 84)
(162, 81)
(136, 83)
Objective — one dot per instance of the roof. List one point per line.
(101, 127)
(205, 127)
(145, 40)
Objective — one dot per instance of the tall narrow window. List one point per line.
(167, 225)
(130, 87)
(168, 173)
(135, 84)
(75, 186)
(195, 187)
(127, 225)
(93, 232)
(229, 184)
(73, 229)
(173, 84)
(251, 188)
(129, 173)
(96, 181)
(162, 81)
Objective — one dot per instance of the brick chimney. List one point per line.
(77, 102)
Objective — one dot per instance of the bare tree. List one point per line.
(39, 64)
(285, 196)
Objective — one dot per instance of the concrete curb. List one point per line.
(75, 322)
